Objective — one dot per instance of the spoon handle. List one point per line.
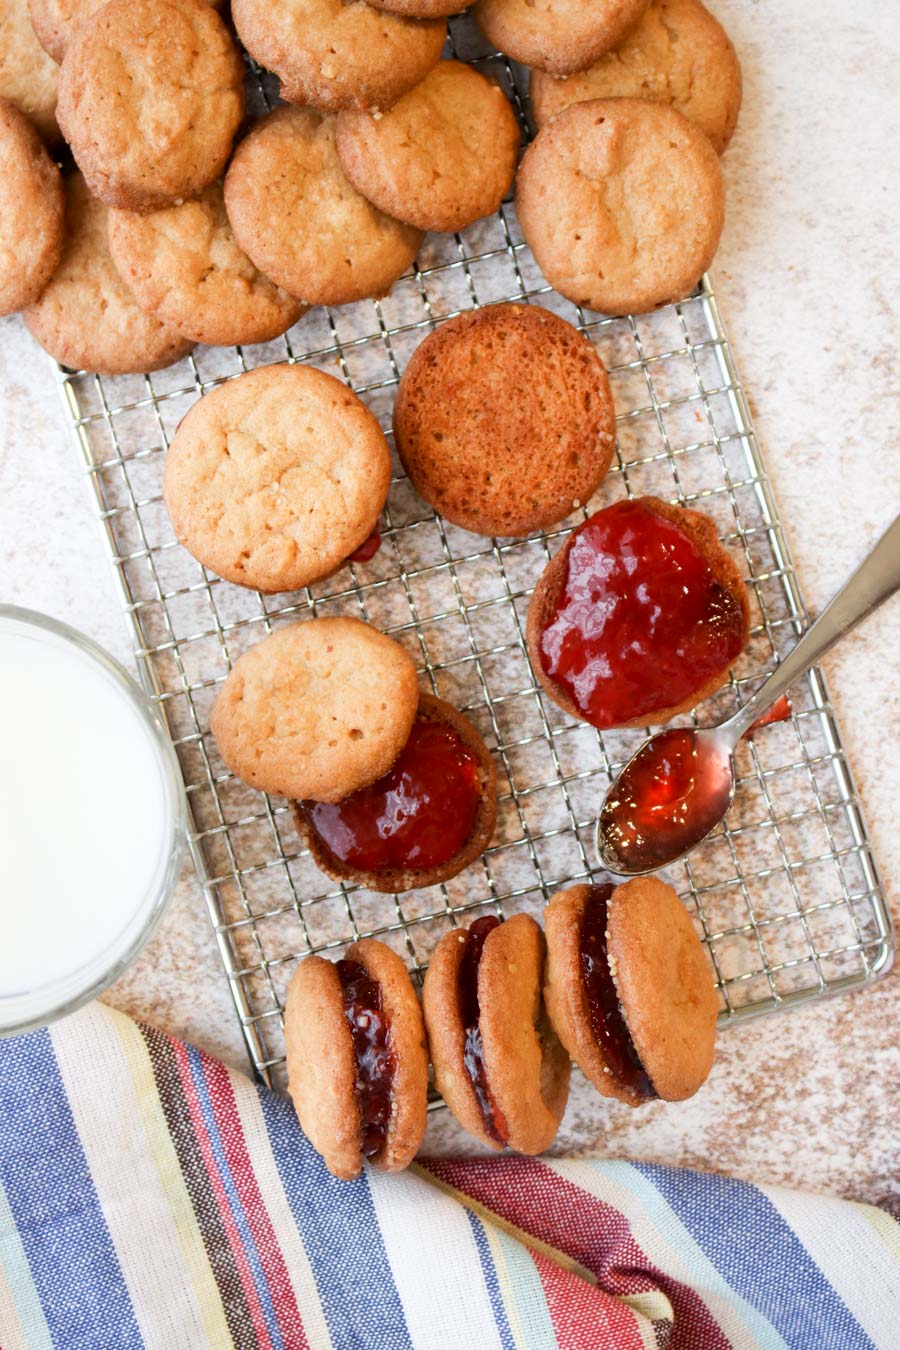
(873, 582)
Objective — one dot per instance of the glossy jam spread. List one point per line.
(665, 801)
(780, 711)
(607, 1021)
(417, 816)
(641, 622)
(368, 548)
(374, 1056)
(473, 1053)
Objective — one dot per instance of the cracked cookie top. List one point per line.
(275, 478)
(677, 53)
(151, 93)
(622, 203)
(440, 158)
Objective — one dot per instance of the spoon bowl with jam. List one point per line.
(674, 792)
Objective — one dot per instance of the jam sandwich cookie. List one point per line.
(317, 709)
(28, 77)
(622, 203)
(55, 21)
(86, 317)
(32, 216)
(638, 617)
(629, 990)
(432, 814)
(275, 478)
(356, 1060)
(151, 93)
(295, 213)
(497, 1061)
(184, 265)
(335, 54)
(504, 419)
(676, 53)
(557, 35)
(440, 158)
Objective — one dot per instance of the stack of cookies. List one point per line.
(170, 233)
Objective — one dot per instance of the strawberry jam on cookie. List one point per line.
(639, 616)
(418, 815)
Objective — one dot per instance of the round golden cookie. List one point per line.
(556, 35)
(622, 203)
(316, 710)
(32, 211)
(184, 265)
(86, 317)
(54, 21)
(526, 1069)
(302, 222)
(441, 157)
(667, 1003)
(326, 1086)
(677, 53)
(338, 53)
(273, 479)
(151, 93)
(504, 419)
(28, 77)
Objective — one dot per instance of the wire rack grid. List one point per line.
(785, 895)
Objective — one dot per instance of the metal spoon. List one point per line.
(675, 790)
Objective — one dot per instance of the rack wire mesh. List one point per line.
(785, 895)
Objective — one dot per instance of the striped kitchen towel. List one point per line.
(151, 1197)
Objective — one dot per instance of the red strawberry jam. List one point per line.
(416, 817)
(374, 1056)
(666, 800)
(368, 548)
(641, 622)
(473, 1053)
(607, 1021)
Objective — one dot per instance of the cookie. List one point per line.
(296, 215)
(273, 479)
(629, 990)
(151, 93)
(86, 317)
(504, 419)
(430, 816)
(54, 21)
(622, 203)
(638, 617)
(32, 211)
(497, 1061)
(440, 158)
(356, 1060)
(184, 265)
(316, 710)
(335, 54)
(677, 53)
(557, 35)
(28, 77)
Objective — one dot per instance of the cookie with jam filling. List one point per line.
(356, 1059)
(497, 1061)
(629, 991)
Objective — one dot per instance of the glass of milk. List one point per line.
(92, 819)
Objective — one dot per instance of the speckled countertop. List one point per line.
(806, 276)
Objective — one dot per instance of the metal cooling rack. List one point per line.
(785, 895)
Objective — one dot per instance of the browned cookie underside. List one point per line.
(32, 211)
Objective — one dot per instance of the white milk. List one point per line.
(87, 821)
